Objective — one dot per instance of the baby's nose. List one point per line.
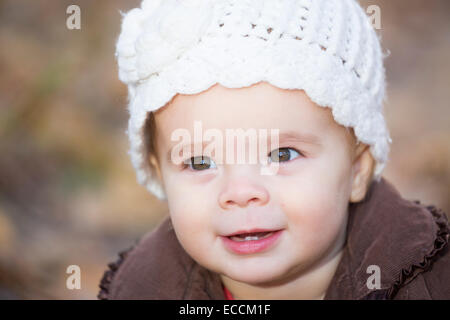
(241, 191)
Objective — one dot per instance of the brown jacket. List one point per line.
(407, 240)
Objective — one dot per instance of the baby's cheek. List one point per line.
(185, 207)
(188, 219)
(191, 224)
(316, 221)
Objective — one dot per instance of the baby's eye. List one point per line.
(199, 163)
(284, 154)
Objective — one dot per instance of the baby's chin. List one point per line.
(257, 272)
(257, 278)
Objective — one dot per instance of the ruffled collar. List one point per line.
(389, 234)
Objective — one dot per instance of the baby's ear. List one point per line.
(154, 163)
(362, 167)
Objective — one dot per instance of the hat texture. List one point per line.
(327, 48)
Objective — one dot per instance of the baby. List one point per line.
(300, 85)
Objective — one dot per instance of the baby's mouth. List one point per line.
(251, 241)
(251, 236)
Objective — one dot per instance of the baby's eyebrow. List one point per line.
(189, 145)
(300, 136)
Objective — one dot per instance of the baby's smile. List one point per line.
(252, 242)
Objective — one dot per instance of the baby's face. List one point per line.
(306, 200)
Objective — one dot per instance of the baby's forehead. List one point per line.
(259, 107)
(261, 104)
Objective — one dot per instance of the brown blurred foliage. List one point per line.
(68, 193)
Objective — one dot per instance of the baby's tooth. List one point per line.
(250, 238)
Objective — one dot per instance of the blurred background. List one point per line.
(68, 193)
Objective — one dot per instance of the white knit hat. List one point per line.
(328, 48)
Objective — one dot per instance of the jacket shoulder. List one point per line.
(108, 276)
(123, 276)
(430, 279)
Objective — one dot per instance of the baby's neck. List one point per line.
(311, 284)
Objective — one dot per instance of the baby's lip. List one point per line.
(254, 230)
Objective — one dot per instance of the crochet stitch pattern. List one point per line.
(327, 48)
